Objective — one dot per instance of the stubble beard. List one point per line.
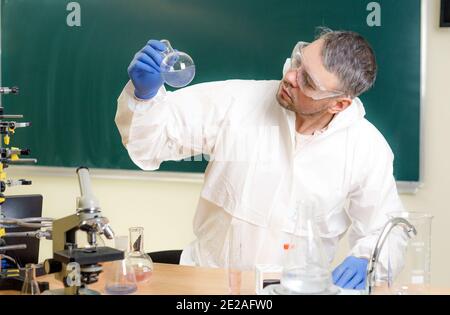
(289, 106)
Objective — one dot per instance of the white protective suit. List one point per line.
(347, 167)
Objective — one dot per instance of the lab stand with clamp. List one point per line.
(13, 278)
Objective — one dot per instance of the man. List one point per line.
(323, 152)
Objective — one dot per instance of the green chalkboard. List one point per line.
(70, 76)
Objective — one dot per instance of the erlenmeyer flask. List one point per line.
(119, 275)
(177, 67)
(306, 268)
(137, 258)
(30, 285)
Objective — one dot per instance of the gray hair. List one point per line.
(349, 56)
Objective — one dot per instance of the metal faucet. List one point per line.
(410, 231)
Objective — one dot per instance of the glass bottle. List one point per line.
(120, 278)
(234, 263)
(137, 258)
(239, 261)
(30, 285)
(177, 68)
(306, 268)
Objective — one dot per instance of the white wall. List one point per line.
(432, 197)
(166, 209)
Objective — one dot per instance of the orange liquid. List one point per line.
(142, 275)
(234, 282)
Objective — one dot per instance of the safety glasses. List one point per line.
(307, 82)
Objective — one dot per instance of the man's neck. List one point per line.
(307, 125)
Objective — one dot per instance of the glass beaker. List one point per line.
(137, 258)
(177, 67)
(305, 268)
(239, 260)
(120, 278)
(30, 285)
(409, 258)
(234, 260)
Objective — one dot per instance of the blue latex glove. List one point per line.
(351, 273)
(144, 70)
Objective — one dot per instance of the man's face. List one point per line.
(291, 96)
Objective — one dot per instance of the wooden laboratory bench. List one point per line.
(185, 280)
(173, 280)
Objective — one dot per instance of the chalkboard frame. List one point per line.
(445, 8)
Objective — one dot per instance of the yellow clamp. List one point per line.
(2, 200)
(2, 173)
(2, 232)
(11, 130)
(15, 157)
(12, 273)
(6, 139)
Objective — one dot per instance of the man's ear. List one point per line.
(340, 104)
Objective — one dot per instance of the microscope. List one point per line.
(78, 267)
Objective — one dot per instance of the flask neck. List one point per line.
(168, 49)
(30, 272)
(136, 239)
